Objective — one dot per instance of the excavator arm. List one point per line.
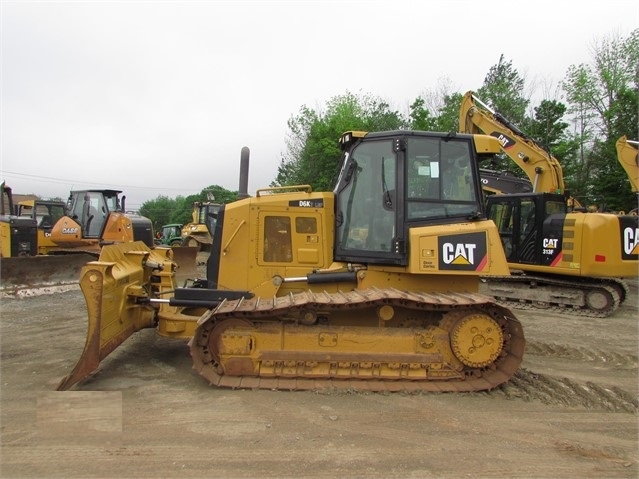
(543, 169)
(627, 156)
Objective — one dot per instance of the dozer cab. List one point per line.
(373, 286)
(46, 213)
(560, 255)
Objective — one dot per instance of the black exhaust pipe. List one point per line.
(244, 170)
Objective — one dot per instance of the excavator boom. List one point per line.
(629, 160)
(543, 169)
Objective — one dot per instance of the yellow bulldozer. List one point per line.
(18, 235)
(373, 286)
(46, 214)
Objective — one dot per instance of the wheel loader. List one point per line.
(198, 232)
(373, 286)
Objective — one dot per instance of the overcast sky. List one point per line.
(159, 97)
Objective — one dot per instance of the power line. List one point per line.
(47, 179)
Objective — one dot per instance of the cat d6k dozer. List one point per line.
(372, 286)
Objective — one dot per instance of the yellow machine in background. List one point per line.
(373, 286)
(629, 160)
(46, 213)
(198, 232)
(65, 238)
(558, 257)
(18, 235)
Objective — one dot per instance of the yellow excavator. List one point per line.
(629, 160)
(373, 286)
(559, 257)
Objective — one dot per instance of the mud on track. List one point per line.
(570, 411)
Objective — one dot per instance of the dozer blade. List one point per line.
(115, 289)
(34, 275)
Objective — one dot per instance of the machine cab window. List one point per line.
(399, 179)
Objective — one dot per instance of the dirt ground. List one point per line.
(570, 412)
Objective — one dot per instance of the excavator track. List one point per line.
(372, 339)
(596, 298)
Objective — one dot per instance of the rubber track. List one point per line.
(270, 309)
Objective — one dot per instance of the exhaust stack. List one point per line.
(244, 169)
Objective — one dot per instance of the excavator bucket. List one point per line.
(116, 295)
(25, 276)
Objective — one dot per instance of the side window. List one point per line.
(456, 173)
(278, 246)
(439, 179)
(502, 215)
(527, 218)
(555, 207)
(305, 225)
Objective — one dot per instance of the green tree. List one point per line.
(313, 154)
(164, 210)
(444, 117)
(503, 89)
(159, 211)
(601, 98)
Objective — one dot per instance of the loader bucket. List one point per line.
(186, 259)
(25, 276)
(115, 289)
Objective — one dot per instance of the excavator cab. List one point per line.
(522, 219)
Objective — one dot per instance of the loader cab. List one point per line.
(530, 225)
(393, 181)
(91, 208)
(207, 215)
